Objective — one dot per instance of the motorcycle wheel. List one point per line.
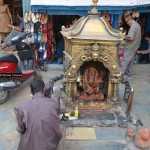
(4, 95)
(37, 74)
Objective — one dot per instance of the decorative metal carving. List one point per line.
(80, 55)
(66, 62)
(68, 47)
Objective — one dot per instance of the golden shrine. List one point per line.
(91, 67)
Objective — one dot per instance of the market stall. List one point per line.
(59, 11)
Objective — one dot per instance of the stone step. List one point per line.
(94, 145)
(94, 139)
(99, 119)
(87, 133)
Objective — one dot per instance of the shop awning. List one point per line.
(89, 2)
(80, 7)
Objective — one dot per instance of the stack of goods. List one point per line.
(37, 25)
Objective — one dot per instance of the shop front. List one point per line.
(14, 5)
(46, 34)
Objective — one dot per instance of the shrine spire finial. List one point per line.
(94, 10)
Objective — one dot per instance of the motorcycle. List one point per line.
(16, 69)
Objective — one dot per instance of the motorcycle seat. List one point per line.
(9, 58)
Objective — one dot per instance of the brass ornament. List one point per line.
(114, 66)
(121, 33)
(63, 28)
(73, 66)
(95, 55)
(118, 75)
(70, 33)
(95, 52)
(95, 47)
(79, 79)
(84, 58)
(69, 74)
(94, 10)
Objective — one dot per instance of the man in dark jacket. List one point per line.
(38, 121)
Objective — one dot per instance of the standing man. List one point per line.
(133, 41)
(38, 121)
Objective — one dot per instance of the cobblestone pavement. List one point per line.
(141, 106)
